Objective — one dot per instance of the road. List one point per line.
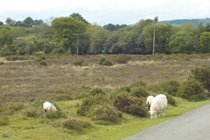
(193, 125)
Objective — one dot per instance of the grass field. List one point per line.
(63, 78)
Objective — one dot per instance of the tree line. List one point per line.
(75, 35)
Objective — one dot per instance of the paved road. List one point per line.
(194, 125)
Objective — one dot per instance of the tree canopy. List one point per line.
(74, 34)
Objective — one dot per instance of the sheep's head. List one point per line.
(54, 108)
(153, 114)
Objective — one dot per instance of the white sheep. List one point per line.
(158, 105)
(149, 101)
(49, 106)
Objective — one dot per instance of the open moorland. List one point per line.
(27, 81)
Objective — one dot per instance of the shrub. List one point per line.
(105, 62)
(58, 50)
(171, 87)
(4, 121)
(106, 113)
(31, 112)
(171, 100)
(41, 58)
(131, 105)
(138, 84)
(43, 63)
(76, 124)
(1, 63)
(12, 107)
(122, 59)
(96, 91)
(202, 75)
(39, 53)
(55, 115)
(78, 63)
(139, 92)
(15, 58)
(191, 90)
(99, 108)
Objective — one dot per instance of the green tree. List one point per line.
(65, 29)
(77, 16)
(163, 36)
(183, 39)
(204, 44)
(38, 22)
(112, 27)
(28, 21)
(182, 42)
(97, 37)
(10, 21)
(1, 23)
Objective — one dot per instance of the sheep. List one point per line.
(158, 105)
(49, 106)
(149, 101)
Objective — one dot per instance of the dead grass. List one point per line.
(61, 79)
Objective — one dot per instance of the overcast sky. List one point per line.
(105, 11)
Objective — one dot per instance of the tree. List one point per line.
(204, 44)
(182, 42)
(112, 27)
(10, 21)
(163, 37)
(1, 23)
(38, 22)
(97, 37)
(77, 16)
(64, 30)
(28, 21)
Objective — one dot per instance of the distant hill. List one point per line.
(178, 22)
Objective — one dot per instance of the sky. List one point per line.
(105, 11)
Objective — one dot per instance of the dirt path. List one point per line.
(194, 125)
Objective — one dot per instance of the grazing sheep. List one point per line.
(158, 105)
(149, 101)
(49, 106)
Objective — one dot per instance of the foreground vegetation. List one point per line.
(98, 97)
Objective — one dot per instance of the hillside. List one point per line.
(178, 22)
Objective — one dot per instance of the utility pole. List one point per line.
(77, 35)
(154, 32)
(153, 46)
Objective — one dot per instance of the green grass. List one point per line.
(135, 125)
(21, 127)
(66, 76)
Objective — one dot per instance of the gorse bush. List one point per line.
(106, 112)
(43, 63)
(55, 115)
(131, 105)
(191, 90)
(122, 59)
(139, 92)
(96, 91)
(170, 87)
(138, 84)
(171, 100)
(32, 112)
(76, 124)
(78, 63)
(4, 120)
(105, 62)
(202, 75)
(99, 108)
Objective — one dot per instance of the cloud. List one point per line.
(106, 11)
